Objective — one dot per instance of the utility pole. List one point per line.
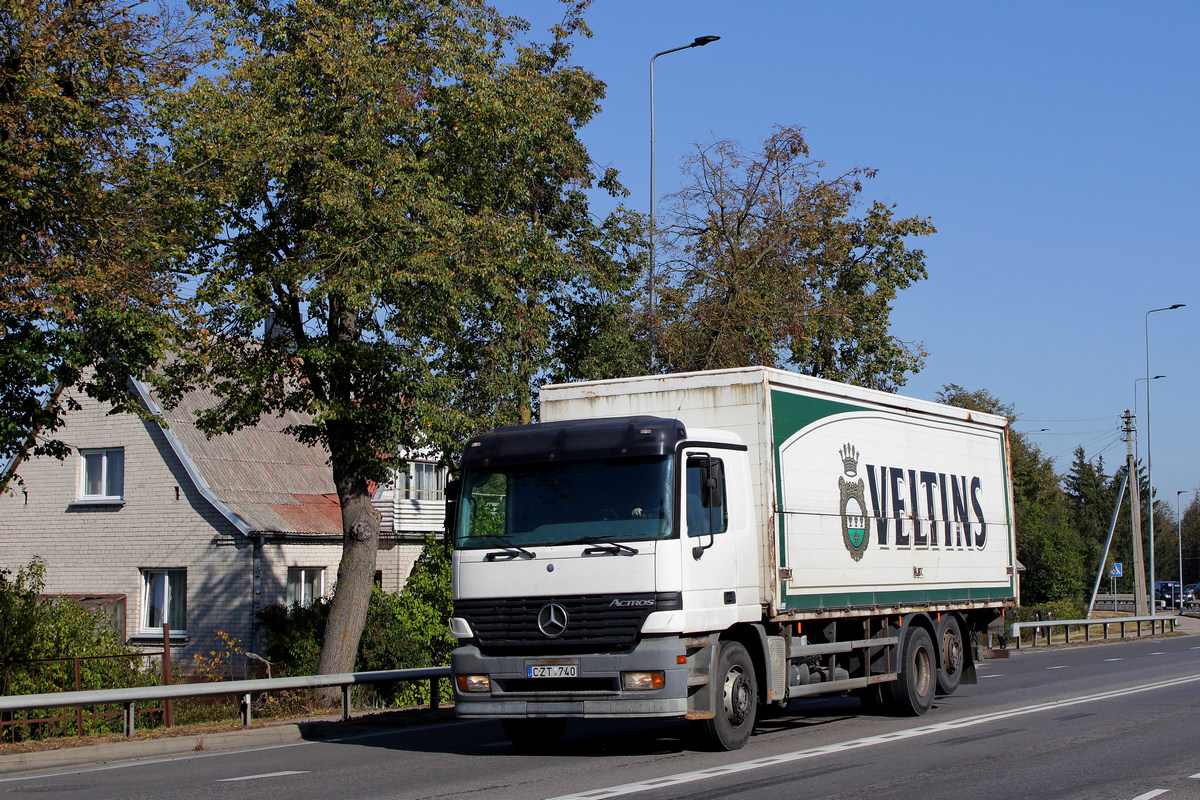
(1140, 597)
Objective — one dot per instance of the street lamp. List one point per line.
(699, 41)
(1179, 536)
(1149, 471)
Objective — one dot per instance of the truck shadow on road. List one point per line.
(596, 738)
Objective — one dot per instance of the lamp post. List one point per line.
(1149, 470)
(699, 41)
(1179, 536)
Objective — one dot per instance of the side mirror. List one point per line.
(712, 486)
(453, 491)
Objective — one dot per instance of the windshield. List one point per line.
(601, 499)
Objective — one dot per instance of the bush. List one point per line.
(39, 637)
(402, 631)
(1058, 609)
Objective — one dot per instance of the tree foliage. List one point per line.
(767, 261)
(398, 188)
(84, 253)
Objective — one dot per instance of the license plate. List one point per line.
(552, 671)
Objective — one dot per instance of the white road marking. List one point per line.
(263, 775)
(1001, 675)
(1151, 793)
(1060, 666)
(1113, 659)
(870, 741)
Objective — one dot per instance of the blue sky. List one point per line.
(1054, 146)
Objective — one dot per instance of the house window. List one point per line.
(103, 475)
(164, 599)
(304, 585)
(426, 481)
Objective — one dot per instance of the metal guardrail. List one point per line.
(1124, 602)
(1087, 624)
(244, 689)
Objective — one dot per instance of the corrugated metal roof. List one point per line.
(273, 482)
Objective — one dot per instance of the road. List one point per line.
(1104, 721)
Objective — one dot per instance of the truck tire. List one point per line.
(911, 694)
(737, 705)
(539, 735)
(953, 657)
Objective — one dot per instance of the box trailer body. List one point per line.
(697, 544)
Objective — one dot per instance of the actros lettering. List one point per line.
(921, 510)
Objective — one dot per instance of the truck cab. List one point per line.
(584, 553)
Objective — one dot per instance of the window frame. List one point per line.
(296, 581)
(171, 575)
(106, 497)
(438, 475)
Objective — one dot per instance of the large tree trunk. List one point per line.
(356, 574)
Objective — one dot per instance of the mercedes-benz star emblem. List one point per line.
(552, 620)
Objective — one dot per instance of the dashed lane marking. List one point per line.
(263, 775)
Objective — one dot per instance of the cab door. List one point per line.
(707, 534)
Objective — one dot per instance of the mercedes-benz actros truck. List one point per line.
(704, 545)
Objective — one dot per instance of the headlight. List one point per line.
(642, 681)
(468, 684)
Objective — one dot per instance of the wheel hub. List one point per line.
(737, 697)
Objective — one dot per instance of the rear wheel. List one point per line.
(534, 735)
(912, 693)
(950, 666)
(737, 705)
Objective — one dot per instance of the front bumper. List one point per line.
(595, 693)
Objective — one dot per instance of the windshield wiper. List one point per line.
(511, 550)
(605, 546)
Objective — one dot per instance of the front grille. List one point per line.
(595, 623)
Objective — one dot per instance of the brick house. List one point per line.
(162, 525)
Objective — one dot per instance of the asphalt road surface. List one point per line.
(1119, 720)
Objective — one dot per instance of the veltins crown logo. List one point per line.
(853, 505)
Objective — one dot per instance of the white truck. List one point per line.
(704, 544)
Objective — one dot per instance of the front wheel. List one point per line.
(730, 727)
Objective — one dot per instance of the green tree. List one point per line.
(766, 262)
(398, 188)
(1191, 539)
(84, 253)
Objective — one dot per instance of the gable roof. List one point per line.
(260, 478)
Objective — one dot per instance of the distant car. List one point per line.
(1189, 594)
(1167, 593)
